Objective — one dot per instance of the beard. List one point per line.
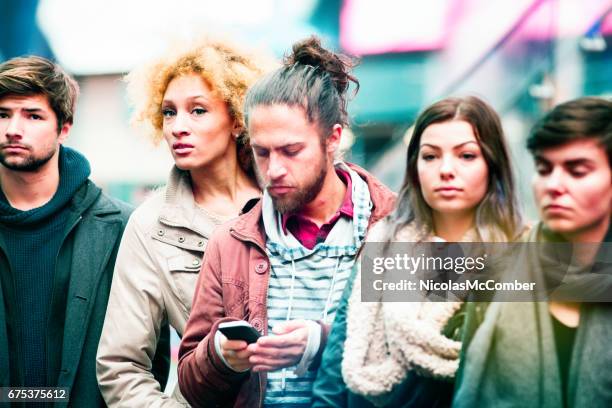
(29, 163)
(294, 202)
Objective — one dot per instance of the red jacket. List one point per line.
(233, 285)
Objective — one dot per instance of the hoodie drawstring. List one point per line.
(291, 288)
(325, 311)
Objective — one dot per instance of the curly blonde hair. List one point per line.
(227, 69)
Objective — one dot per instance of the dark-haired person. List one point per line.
(555, 353)
(282, 266)
(458, 186)
(59, 236)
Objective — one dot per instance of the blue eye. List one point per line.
(166, 113)
(468, 156)
(199, 111)
(428, 157)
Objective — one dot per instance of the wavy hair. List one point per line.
(227, 69)
(498, 217)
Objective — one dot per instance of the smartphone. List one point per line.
(239, 330)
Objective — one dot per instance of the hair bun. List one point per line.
(338, 66)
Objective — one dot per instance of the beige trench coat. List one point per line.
(155, 277)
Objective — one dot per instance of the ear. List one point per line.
(63, 134)
(237, 129)
(333, 139)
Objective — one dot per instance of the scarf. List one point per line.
(386, 340)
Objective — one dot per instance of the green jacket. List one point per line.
(84, 266)
(511, 359)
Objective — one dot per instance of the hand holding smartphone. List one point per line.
(239, 330)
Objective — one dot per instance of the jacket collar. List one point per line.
(249, 227)
(179, 208)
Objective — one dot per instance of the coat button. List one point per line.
(195, 262)
(257, 323)
(261, 267)
(200, 243)
(160, 232)
(181, 239)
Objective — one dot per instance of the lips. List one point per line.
(182, 148)
(556, 208)
(448, 188)
(448, 192)
(14, 147)
(279, 190)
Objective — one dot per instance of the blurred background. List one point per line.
(522, 56)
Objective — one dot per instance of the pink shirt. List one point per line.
(307, 231)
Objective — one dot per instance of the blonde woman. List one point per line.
(192, 100)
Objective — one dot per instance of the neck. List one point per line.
(452, 227)
(596, 234)
(593, 234)
(223, 179)
(329, 199)
(28, 190)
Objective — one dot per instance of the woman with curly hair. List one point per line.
(193, 100)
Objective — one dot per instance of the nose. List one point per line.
(14, 129)
(447, 168)
(276, 168)
(180, 125)
(553, 183)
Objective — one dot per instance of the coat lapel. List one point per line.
(94, 242)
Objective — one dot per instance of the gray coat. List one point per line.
(85, 262)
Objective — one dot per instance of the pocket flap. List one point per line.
(184, 263)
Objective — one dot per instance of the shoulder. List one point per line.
(111, 209)
(382, 197)
(245, 228)
(378, 231)
(146, 215)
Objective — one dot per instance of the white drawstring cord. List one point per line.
(325, 311)
(331, 291)
(289, 313)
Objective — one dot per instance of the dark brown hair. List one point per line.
(498, 217)
(587, 117)
(312, 78)
(35, 75)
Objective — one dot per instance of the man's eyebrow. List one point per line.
(539, 157)
(288, 145)
(570, 162)
(29, 110)
(285, 146)
(578, 161)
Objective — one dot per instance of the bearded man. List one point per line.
(283, 266)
